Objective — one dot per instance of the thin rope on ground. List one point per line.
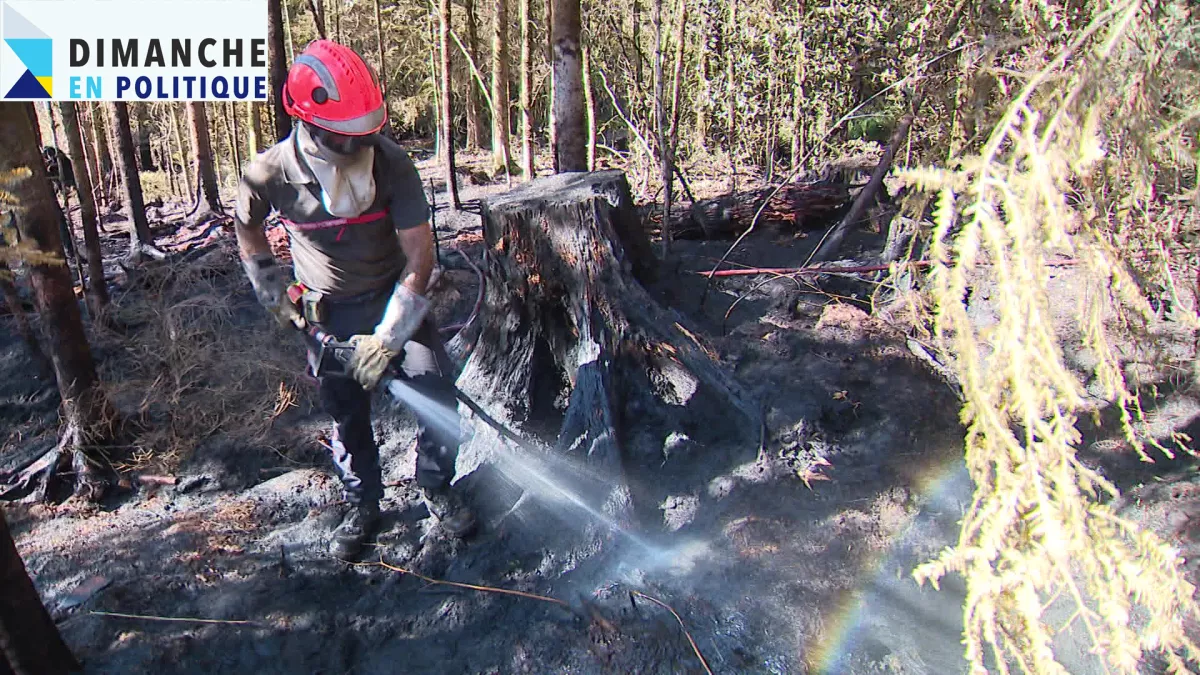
(692, 642)
(471, 587)
(178, 619)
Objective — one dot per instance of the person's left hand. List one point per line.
(369, 360)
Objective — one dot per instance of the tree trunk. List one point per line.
(83, 406)
(703, 59)
(103, 151)
(8, 290)
(568, 87)
(234, 133)
(166, 158)
(337, 19)
(202, 152)
(145, 157)
(383, 78)
(768, 163)
(866, 198)
(318, 18)
(184, 162)
(527, 158)
(590, 100)
(29, 641)
(97, 292)
(660, 115)
(680, 36)
(287, 38)
(636, 25)
(447, 135)
(797, 103)
(500, 99)
(551, 117)
(277, 73)
(66, 231)
(731, 93)
(254, 141)
(567, 320)
(83, 116)
(474, 122)
(141, 241)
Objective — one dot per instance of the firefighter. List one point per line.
(357, 219)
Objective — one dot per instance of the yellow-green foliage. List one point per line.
(1083, 144)
(12, 249)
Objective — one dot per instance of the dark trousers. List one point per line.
(425, 367)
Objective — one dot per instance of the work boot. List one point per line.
(448, 507)
(357, 526)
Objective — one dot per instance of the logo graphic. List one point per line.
(32, 48)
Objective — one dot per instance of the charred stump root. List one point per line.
(29, 641)
(570, 346)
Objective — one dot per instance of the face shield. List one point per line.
(341, 144)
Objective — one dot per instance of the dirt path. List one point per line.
(790, 558)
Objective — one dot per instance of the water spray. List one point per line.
(517, 456)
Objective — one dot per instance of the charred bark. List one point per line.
(573, 349)
(29, 641)
(795, 207)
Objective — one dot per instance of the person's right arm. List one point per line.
(270, 281)
(251, 210)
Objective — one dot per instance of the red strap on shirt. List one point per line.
(337, 222)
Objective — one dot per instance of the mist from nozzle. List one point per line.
(553, 481)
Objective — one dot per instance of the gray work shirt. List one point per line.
(338, 257)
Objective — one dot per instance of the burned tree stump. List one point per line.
(572, 349)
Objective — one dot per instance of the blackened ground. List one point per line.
(789, 557)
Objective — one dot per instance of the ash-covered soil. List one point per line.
(788, 556)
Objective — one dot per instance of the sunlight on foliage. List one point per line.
(1085, 141)
(12, 249)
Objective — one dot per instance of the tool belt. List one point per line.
(310, 303)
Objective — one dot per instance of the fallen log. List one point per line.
(571, 348)
(799, 206)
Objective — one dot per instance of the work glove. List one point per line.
(372, 353)
(403, 316)
(270, 284)
(370, 360)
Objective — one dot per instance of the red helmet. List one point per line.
(331, 87)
